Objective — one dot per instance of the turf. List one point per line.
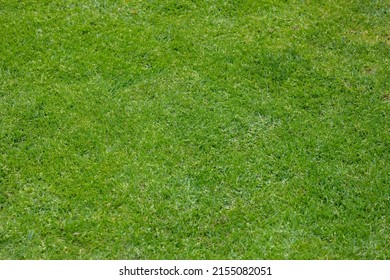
(194, 129)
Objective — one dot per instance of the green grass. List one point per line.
(194, 129)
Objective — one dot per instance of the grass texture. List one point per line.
(194, 129)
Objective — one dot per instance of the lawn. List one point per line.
(194, 129)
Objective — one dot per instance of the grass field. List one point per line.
(194, 129)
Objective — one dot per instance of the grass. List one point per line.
(194, 129)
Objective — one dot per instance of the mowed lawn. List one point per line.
(194, 129)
